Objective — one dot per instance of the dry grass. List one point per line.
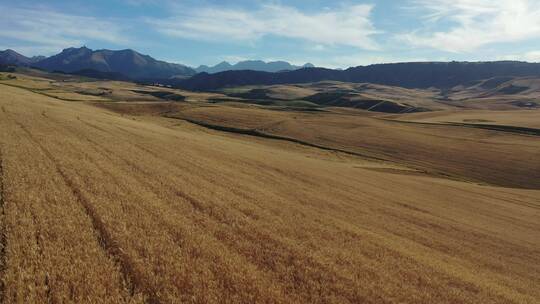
(479, 96)
(463, 153)
(72, 88)
(356, 92)
(104, 208)
(519, 118)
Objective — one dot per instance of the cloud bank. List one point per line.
(41, 29)
(347, 26)
(474, 23)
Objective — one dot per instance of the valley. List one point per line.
(296, 193)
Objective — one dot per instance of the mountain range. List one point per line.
(442, 75)
(131, 65)
(126, 62)
(253, 65)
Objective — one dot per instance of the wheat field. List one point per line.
(100, 207)
(462, 153)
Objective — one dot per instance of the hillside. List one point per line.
(508, 93)
(442, 75)
(370, 97)
(150, 209)
(129, 63)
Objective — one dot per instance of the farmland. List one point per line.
(113, 196)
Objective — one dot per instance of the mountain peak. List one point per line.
(128, 51)
(73, 50)
(223, 64)
(11, 57)
(76, 48)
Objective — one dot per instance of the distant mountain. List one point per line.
(220, 67)
(126, 62)
(10, 57)
(208, 82)
(252, 65)
(410, 75)
(37, 58)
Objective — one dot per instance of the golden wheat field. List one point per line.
(129, 206)
(463, 153)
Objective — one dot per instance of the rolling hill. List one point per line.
(498, 93)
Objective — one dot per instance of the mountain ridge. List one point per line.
(440, 75)
(11, 57)
(127, 62)
(252, 65)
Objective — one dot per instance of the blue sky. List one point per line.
(325, 33)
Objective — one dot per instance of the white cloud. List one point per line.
(532, 56)
(346, 26)
(475, 23)
(47, 30)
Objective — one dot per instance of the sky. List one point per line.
(333, 34)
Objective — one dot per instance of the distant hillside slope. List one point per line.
(10, 57)
(127, 62)
(99, 75)
(408, 75)
(253, 65)
(205, 81)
